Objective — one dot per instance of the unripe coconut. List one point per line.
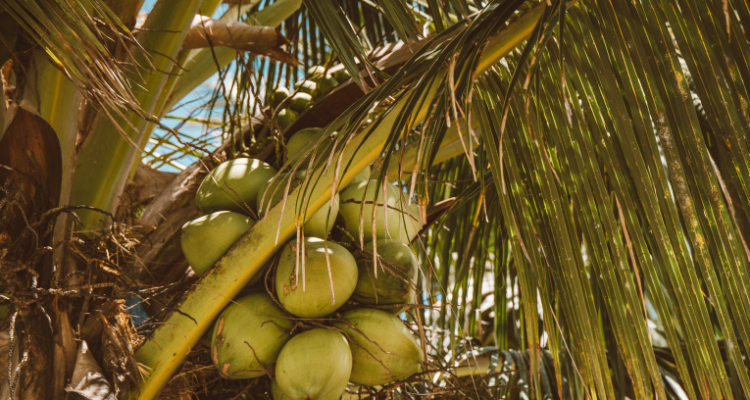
(403, 221)
(395, 353)
(276, 392)
(398, 271)
(272, 191)
(342, 75)
(285, 118)
(300, 101)
(315, 299)
(308, 87)
(324, 86)
(248, 336)
(316, 72)
(205, 239)
(315, 364)
(241, 177)
(362, 176)
(321, 222)
(278, 96)
(301, 140)
(318, 224)
(359, 392)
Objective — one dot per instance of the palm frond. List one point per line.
(600, 205)
(73, 34)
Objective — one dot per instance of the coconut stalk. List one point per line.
(453, 145)
(204, 63)
(165, 350)
(265, 40)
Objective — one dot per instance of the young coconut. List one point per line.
(248, 337)
(362, 176)
(315, 364)
(318, 224)
(403, 222)
(316, 72)
(307, 292)
(359, 392)
(321, 222)
(342, 75)
(299, 142)
(276, 392)
(272, 191)
(285, 118)
(300, 101)
(205, 239)
(324, 86)
(233, 185)
(278, 96)
(383, 349)
(398, 271)
(308, 87)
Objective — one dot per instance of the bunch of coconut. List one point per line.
(317, 83)
(268, 334)
(260, 335)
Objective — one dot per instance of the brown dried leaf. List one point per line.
(118, 342)
(31, 161)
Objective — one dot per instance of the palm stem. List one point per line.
(111, 146)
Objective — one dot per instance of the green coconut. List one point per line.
(306, 292)
(318, 224)
(233, 185)
(383, 349)
(397, 274)
(342, 75)
(276, 392)
(362, 176)
(278, 96)
(315, 364)
(300, 101)
(308, 87)
(316, 72)
(285, 118)
(248, 337)
(272, 191)
(205, 239)
(403, 222)
(300, 141)
(324, 86)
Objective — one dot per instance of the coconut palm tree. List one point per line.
(581, 171)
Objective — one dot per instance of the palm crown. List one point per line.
(581, 169)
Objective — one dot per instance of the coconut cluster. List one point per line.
(267, 331)
(316, 85)
(259, 334)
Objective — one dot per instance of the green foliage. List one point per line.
(587, 198)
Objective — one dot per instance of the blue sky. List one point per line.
(148, 5)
